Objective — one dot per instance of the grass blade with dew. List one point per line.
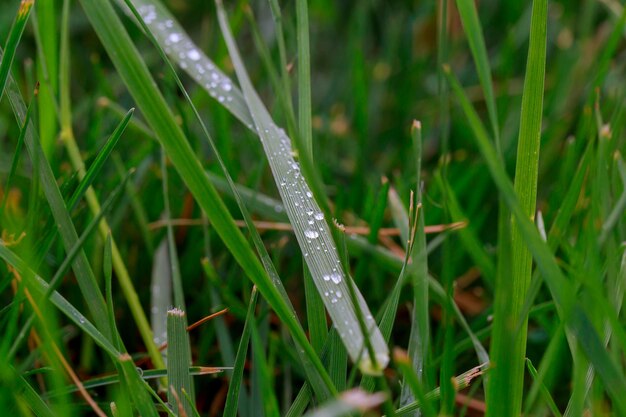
(313, 367)
(227, 93)
(312, 232)
(508, 346)
(84, 273)
(15, 34)
(160, 292)
(178, 362)
(142, 87)
(177, 44)
(562, 291)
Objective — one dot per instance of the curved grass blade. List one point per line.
(312, 232)
(316, 374)
(142, 87)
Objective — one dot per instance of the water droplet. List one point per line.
(319, 216)
(194, 55)
(335, 277)
(334, 300)
(338, 293)
(311, 234)
(309, 194)
(227, 86)
(311, 222)
(174, 37)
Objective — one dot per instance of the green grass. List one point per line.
(160, 162)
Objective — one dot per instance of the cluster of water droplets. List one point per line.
(179, 47)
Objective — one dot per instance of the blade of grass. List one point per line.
(304, 80)
(508, 347)
(236, 380)
(178, 362)
(544, 391)
(270, 403)
(177, 281)
(419, 337)
(311, 230)
(475, 38)
(160, 293)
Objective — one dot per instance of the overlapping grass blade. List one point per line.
(67, 262)
(319, 379)
(73, 151)
(40, 288)
(135, 74)
(84, 274)
(311, 230)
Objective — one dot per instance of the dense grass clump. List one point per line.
(312, 208)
